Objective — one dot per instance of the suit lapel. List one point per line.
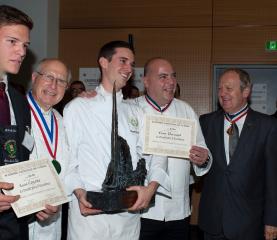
(17, 113)
(219, 125)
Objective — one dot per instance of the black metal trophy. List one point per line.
(120, 174)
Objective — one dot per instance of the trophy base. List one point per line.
(112, 201)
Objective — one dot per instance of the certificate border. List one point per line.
(32, 208)
(167, 151)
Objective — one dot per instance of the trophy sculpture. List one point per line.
(120, 174)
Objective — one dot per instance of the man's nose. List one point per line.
(53, 83)
(21, 50)
(171, 79)
(221, 92)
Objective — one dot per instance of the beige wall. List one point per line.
(193, 34)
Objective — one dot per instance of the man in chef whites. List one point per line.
(88, 123)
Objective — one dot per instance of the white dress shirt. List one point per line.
(227, 124)
(13, 121)
(177, 207)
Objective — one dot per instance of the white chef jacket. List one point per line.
(88, 126)
(51, 228)
(177, 207)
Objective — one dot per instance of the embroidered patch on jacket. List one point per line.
(10, 147)
(133, 124)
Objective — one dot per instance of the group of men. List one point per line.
(239, 199)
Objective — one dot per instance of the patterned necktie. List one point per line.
(233, 139)
(5, 118)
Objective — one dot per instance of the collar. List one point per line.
(109, 95)
(238, 115)
(45, 113)
(5, 80)
(155, 105)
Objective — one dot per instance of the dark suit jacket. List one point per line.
(274, 114)
(240, 198)
(12, 228)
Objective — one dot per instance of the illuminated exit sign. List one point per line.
(271, 46)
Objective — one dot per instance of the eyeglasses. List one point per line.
(50, 78)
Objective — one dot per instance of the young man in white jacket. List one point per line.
(88, 123)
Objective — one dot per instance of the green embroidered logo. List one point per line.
(10, 147)
(133, 122)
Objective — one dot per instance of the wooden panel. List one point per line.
(135, 13)
(243, 45)
(188, 50)
(246, 12)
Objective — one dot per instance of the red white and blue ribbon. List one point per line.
(51, 142)
(232, 118)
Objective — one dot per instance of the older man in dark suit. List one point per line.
(15, 116)
(239, 198)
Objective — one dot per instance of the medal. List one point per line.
(234, 118)
(54, 126)
(230, 130)
(57, 166)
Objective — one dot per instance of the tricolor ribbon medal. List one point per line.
(155, 105)
(230, 130)
(234, 118)
(46, 132)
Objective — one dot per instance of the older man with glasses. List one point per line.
(49, 83)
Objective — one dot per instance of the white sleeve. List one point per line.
(200, 141)
(74, 134)
(157, 171)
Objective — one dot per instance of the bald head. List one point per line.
(49, 82)
(160, 80)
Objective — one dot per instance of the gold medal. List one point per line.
(230, 130)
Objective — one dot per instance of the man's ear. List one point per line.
(145, 82)
(246, 92)
(103, 62)
(34, 76)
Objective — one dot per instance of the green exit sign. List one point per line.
(271, 45)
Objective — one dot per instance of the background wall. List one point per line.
(44, 35)
(192, 34)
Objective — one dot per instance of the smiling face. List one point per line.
(76, 88)
(231, 96)
(49, 93)
(14, 40)
(119, 69)
(160, 81)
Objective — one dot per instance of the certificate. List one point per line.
(168, 136)
(37, 183)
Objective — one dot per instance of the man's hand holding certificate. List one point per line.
(37, 183)
(168, 136)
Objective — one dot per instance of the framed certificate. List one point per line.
(37, 183)
(168, 136)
